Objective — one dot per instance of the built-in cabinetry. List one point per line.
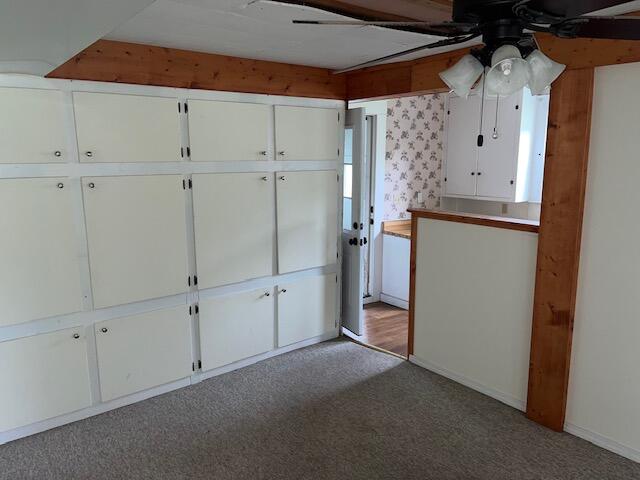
(396, 253)
(304, 133)
(496, 151)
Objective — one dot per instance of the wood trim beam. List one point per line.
(565, 176)
(412, 284)
(475, 219)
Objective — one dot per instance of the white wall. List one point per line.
(474, 301)
(604, 388)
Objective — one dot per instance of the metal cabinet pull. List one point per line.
(473, 173)
(76, 336)
(263, 153)
(281, 153)
(60, 185)
(264, 179)
(57, 153)
(91, 185)
(479, 173)
(267, 294)
(282, 178)
(89, 153)
(104, 329)
(284, 290)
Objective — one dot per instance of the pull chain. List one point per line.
(495, 125)
(480, 136)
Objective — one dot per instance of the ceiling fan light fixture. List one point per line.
(544, 72)
(462, 76)
(509, 71)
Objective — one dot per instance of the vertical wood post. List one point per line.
(565, 175)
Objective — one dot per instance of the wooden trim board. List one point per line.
(412, 283)
(484, 220)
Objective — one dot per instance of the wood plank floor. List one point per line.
(386, 326)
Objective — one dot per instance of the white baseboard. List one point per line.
(490, 392)
(602, 441)
(396, 302)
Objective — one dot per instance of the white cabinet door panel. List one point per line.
(306, 309)
(307, 209)
(228, 131)
(234, 227)
(235, 327)
(463, 126)
(304, 133)
(32, 126)
(42, 377)
(396, 253)
(143, 351)
(39, 273)
(127, 128)
(137, 237)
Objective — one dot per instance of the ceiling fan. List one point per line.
(510, 49)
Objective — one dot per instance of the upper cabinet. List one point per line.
(228, 131)
(126, 128)
(304, 133)
(32, 126)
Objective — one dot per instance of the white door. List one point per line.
(143, 351)
(136, 229)
(498, 157)
(307, 209)
(355, 223)
(126, 128)
(39, 272)
(228, 131)
(306, 133)
(234, 226)
(306, 308)
(32, 126)
(42, 377)
(463, 128)
(234, 327)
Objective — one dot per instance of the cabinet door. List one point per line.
(137, 237)
(306, 309)
(234, 327)
(395, 266)
(498, 157)
(226, 131)
(234, 227)
(463, 125)
(39, 273)
(42, 377)
(307, 219)
(126, 128)
(304, 133)
(143, 351)
(32, 126)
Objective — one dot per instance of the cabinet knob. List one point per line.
(76, 336)
(282, 178)
(284, 290)
(262, 153)
(104, 329)
(57, 153)
(473, 173)
(267, 294)
(479, 173)
(60, 185)
(91, 185)
(89, 153)
(281, 153)
(264, 179)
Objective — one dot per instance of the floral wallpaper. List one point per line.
(413, 161)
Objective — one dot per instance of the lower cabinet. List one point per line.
(306, 308)
(143, 351)
(43, 376)
(235, 327)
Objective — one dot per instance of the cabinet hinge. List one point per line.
(195, 279)
(336, 278)
(182, 152)
(338, 178)
(197, 308)
(179, 108)
(188, 151)
(184, 184)
(445, 179)
(200, 364)
(189, 281)
(338, 152)
(186, 107)
(193, 366)
(190, 310)
(190, 184)
(338, 117)
(511, 182)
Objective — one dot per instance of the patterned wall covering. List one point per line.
(413, 161)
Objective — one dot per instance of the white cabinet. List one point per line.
(228, 131)
(143, 351)
(126, 128)
(304, 133)
(506, 166)
(307, 209)
(234, 227)
(306, 308)
(235, 327)
(43, 376)
(32, 126)
(40, 272)
(136, 230)
(396, 253)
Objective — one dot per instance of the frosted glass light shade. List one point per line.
(543, 71)
(463, 75)
(509, 71)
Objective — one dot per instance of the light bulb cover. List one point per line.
(544, 72)
(462, 76)
(509, 71)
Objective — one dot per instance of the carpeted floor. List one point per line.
(332, 411)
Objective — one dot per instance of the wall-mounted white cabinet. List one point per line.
(32, 126)
(126, 128)
(507, 166)
(228, 131)
(43, 376)
(234, 227)
(40, 270)
(306, 308)
(143, 351)
(307, 209)
(304, 133)
(136, 230)
(234, 327)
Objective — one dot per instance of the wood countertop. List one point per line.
(475, 219)
(397, 228)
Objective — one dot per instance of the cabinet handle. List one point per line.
(91, 185)
(284, 290)
(76, 336)
(281, 153)
(264, 179)
(263, 153)
(104, 329)
(473, 173)
(57, 153)
(89, 153)
(60, 185)
(479, 173)
(267, 294)
(282, 178)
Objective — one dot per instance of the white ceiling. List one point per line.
(263, 30)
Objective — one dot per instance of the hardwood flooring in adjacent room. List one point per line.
(386, 326)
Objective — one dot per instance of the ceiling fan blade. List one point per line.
(385, 23)
(441, 43)
(572, 8)
(617, 28)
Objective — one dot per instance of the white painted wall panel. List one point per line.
(304, 133)
(143, 351)
(39, 264)
(43, 376)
